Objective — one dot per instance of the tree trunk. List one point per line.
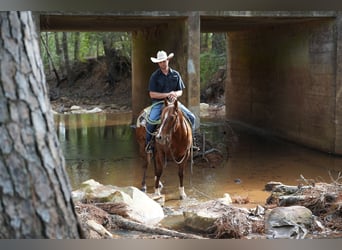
(204, 42)
(219, 43)
(35, 193)
(52, 65)
(109, 59)
(77, 46)
(59, 53)
(66, 56)
(92, 42)
(47, 42)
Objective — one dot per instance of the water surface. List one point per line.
(102, 147)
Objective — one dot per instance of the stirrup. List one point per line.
(195, 148)
(148, 148)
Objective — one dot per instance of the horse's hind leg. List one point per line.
(181, 186)
(143, 182)
(146, 162)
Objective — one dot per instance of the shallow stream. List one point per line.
(102, 147)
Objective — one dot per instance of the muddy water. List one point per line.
(102, 147)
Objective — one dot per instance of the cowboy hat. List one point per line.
(161, 56)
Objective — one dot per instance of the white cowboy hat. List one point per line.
(161, 56)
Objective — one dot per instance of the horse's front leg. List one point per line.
(181, 176)
(158, 170)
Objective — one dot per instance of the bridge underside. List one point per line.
(283, 71)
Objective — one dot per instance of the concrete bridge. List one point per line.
(284, 71)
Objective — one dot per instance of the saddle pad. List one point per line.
(142, 119)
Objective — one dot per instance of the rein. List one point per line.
(184, 156)
(171, 151)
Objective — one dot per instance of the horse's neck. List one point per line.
(182, 129)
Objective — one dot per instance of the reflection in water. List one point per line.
(102, 147)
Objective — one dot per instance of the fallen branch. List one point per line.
(131, 225)
(338, 178)
(118, 208)
(285, 189)
(93, 225)
(290, 200)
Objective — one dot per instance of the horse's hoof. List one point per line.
(143, 189)
(157, 191)
(182, 197)
(182, 194)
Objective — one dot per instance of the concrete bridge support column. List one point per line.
(338, 106)
(180, 36)
(193, 64)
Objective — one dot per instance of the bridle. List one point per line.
(172, 128)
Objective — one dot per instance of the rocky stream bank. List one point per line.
(290, 212)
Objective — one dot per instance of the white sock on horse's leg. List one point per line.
(160, 183)
(157, 191)
(182, 193)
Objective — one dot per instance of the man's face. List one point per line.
(163, 64)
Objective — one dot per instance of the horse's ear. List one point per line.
(176, 104)
(165, 102)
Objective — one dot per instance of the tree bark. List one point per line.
(35, 193)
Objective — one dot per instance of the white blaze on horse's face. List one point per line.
(159, 136)
(168, 125)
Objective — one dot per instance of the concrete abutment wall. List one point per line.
(282, 79)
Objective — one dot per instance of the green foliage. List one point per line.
(210, 62)
(213, 55)
(91, 45)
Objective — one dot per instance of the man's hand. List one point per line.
(172, 96)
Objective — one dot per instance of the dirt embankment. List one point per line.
(90, 87)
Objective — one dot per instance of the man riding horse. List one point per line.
(165, 82)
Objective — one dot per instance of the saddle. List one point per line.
(143, 119)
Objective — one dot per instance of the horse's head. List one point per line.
(169, 122)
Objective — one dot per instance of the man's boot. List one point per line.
(149, 147)
(194, 145)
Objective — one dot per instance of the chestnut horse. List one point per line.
(173, 141)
